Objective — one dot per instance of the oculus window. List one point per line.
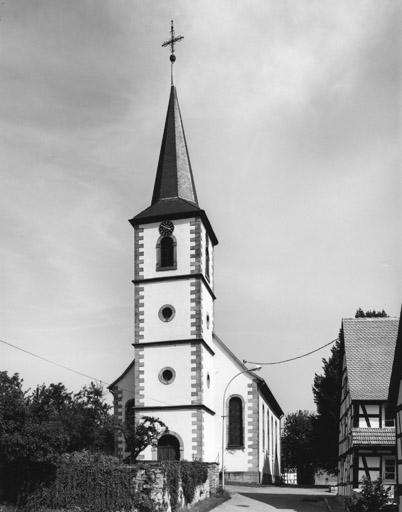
(166, 313)
(167, 375)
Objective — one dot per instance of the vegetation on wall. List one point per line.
(93, 483)
(96, 482)
(189, 474)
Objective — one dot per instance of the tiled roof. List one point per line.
(369, 351)
(396, 372)
(373, 436)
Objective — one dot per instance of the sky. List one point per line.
(291, 111)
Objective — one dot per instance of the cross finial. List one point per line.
(172, 42)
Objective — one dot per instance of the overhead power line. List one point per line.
(154, 399)
(292, 358)
(71, 370)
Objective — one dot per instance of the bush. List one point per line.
(372, 498)
(92, 483)
(96, 482)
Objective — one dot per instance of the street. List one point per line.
(284, 499)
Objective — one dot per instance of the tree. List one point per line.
(327, 397)
(36, 428)
(370, 314)
(81, 420)
(139, 435)
(298, 451)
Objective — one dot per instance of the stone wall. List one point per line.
(151, 481)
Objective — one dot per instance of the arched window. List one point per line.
(263, 427)
(166, 253)
(129, 411)
(129, 420)
(207, 258)
(235, 437)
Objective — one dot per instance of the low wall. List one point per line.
(153, 481)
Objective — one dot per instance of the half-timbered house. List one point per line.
(395, 408)
(367, 429)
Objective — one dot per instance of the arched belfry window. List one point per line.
(166, 253)
(235, 424)
(207, 258)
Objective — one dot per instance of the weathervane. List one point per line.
(171, 43)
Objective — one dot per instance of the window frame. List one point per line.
(241, 431)
(158, 247)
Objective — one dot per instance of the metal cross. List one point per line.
(172, 40)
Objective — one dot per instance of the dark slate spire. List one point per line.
(174, 178)
(174, 195)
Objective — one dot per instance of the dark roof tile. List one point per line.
(369, 351)
(373, 436)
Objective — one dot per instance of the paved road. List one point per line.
(283, 499)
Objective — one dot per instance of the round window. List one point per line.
(167, 375)
(166, 313)
(208, 380)
(207, 320)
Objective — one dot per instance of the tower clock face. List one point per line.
(166, 228)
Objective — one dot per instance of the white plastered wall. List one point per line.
(178, 392)
(158, 294)
(151, 236)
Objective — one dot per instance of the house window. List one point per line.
(389, 420)
(389, 469)
(235, 438)
(166, 253)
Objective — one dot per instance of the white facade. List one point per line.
(181, 369)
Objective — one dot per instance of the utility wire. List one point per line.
(292, 358)
(154, 399)
(71, 370)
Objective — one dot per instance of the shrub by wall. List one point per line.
(95, 483)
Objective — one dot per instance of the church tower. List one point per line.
(216, 409)
(174, 299)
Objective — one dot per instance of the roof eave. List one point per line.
(148, 219)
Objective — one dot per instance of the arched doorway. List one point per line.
(168, 448)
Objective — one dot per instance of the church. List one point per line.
(216, 409)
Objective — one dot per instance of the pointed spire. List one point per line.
(174, 178)
(174, 195)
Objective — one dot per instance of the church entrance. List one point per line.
(168, 448)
